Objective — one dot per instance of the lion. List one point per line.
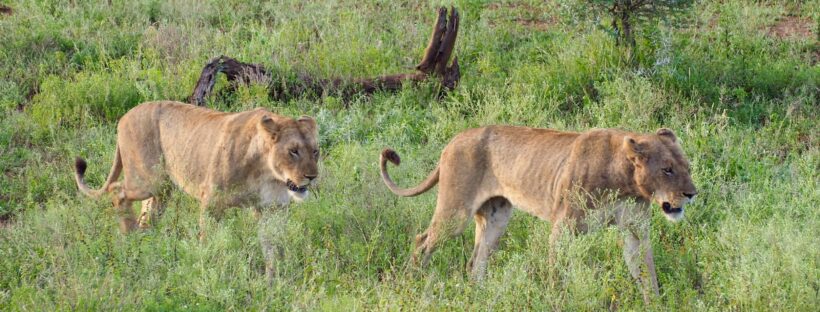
(561, 177)
(249, 159)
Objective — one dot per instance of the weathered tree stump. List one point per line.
(434, 63)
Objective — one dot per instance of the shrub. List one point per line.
(626, 14)
(100, 95)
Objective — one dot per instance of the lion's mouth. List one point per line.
(295, 188)
(667, 208)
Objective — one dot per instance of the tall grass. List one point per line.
(744, 104)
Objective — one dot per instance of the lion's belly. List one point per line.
(534, 198)
(534, 205)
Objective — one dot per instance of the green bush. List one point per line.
(84, 99)
(10, 95)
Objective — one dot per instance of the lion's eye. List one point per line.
(294, 152)
(668, 171)
(315, 153)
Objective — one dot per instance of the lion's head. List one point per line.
(661, 171)
(291, 151)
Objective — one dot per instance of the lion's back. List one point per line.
(176, 136)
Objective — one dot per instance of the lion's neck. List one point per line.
(254, 155)
(625, 181)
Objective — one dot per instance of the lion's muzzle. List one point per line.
(671, 213)
(667, 208)
(295, 188)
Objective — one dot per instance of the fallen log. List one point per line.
(4, 9)
(281, 86)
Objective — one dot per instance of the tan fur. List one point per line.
(224, 160)
(562, 177)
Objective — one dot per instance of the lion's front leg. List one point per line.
(650, 267)
(209, 210)
(272, 235)
(637, 250)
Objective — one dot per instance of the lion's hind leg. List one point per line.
(154, 206)
(142, 169)
(123, 208)
(152, 209)
(449, 219)
(123, 205)
(490, 224)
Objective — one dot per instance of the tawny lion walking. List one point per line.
(562, 177)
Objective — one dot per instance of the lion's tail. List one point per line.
(79, 175)
(392, 156)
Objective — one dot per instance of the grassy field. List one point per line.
(737, 82)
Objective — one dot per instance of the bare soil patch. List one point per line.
(539, 24)
(511, 6)
(524, 15)
(792, 27)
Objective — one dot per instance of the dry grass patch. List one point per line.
(792, 27)
(523, 14)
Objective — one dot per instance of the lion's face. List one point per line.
(661, 171)
(292, 152)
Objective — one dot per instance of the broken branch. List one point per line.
(4, 9)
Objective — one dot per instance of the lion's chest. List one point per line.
(260, 193)
(272, 193)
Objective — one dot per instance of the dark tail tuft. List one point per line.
(80, 166)
(392, 156)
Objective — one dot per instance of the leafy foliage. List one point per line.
(627, 14)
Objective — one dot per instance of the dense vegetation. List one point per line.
(736, 80)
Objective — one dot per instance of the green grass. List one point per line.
(744, 104)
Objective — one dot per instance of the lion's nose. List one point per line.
(690, 195)
(310, 177)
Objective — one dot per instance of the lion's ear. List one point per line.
(664, 132)
(308, 123)
(634, 151)
(270, 126)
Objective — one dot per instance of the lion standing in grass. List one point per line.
(248, 159)
(563, 177)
